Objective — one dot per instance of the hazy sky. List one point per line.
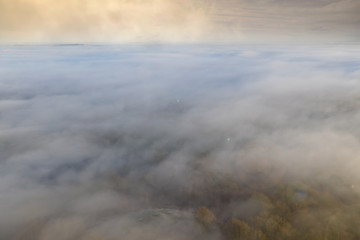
(263, 21)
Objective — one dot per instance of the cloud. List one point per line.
(102, 21)
(102, 141)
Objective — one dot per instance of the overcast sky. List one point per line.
(124, 21)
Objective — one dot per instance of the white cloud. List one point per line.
(100, 133)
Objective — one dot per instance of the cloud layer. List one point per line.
(97, 141)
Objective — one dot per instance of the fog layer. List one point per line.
(96, 141)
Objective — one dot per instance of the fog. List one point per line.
(126, 142)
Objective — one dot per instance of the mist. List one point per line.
(127, 142)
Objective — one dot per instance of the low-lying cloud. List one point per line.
(124, 142)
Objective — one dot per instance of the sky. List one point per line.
(94, 138)
(179, 21)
